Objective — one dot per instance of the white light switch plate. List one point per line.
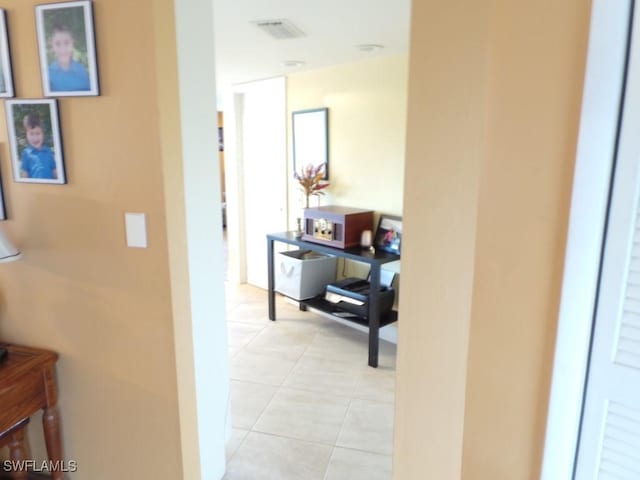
(136, 228)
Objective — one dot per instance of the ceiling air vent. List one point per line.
(279, 28)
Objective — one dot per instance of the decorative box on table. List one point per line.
(336, 226)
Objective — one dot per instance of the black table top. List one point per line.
(376, 257)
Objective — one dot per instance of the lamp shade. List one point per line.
(8, 252)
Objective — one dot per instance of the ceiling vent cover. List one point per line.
(279, 28)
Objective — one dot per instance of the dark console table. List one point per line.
(374, 259)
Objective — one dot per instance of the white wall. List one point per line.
(196, 257)
(367, 104)
(256, 175)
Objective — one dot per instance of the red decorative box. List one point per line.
(336, 226)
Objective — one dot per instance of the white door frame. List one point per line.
(186, 102)
(603, 90)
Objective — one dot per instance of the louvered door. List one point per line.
(609, 445)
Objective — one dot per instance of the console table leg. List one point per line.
(17, 454)
(53, 441)
(374, 315)
(271, 280)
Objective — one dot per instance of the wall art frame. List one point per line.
(35, 141)
(6, 71)
(310, 132)
(3, 208)
(66, 43)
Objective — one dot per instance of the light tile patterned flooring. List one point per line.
(304, 403)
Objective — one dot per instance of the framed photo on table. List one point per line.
(6, 74)
(389, 234)
(35, 142)
(66, 43)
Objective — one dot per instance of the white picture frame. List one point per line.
(66, 43)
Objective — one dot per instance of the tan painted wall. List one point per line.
(445, 136)
(106, 308)
(494, 98)
(522, 222)
(367, 104)
(78, 290)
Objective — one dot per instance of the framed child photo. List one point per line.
(389, 234)
(6, 75)
(66, 43)
(34, 139)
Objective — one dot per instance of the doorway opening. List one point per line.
(301, 383)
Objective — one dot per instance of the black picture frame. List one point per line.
(389, 234)
(3, 208)
(67, 47)
(40, 162)
(6, 72)
(310, 133)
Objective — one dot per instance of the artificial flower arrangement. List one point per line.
(311, 181)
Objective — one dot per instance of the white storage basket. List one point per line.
(302, 274)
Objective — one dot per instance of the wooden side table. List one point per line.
(14, 438)
(27, 384)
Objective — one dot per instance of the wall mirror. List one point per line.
(311, 139)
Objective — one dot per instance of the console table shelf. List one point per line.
(319, 303)
(375, 259)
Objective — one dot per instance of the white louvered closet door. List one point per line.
(609, 447)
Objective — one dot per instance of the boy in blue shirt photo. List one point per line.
(65, 73)
(37, 160)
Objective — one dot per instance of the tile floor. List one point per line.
(304, 403)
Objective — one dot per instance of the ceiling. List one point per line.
(333, 29)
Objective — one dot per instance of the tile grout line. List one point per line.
(286, 437)
(314, 442)
(335, 442)
(281, 387)
(278, 387)
(326, 470)
(228, 460)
